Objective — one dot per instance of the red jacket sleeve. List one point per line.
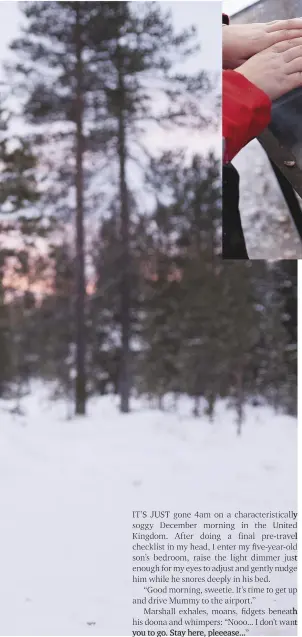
(246, 112)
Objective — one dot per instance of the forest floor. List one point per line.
(68, 488)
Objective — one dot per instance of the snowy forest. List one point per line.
(111, 279)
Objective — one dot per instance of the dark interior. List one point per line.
(286, 122)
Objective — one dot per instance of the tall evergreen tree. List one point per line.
(18, 193)
(184, 286)
(104, 308)
(144, 61)
(159, 368)
(18, 187)
(4, 335)
(63, 50)
(54, 316)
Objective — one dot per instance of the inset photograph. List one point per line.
(262, 132)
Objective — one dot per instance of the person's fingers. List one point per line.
(286, 45)
(284, 25)
(293, 54)
(281, 36)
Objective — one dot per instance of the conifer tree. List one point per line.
(144, 61)
(4, 336)
(18, 193)
(62, 51)
(18, 187)
(184, 288)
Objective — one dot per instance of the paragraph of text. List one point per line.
(214, 573)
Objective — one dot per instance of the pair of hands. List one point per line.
(268, 54)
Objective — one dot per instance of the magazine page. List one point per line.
(148, 321)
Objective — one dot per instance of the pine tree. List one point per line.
(239, 331)
(144, 61)
(62, 52)
(202, 347)
(18, 187)
(104, 309)
(18, 193)
(159, 371)
(5, 366)
(55, 336)
(194, 190)
(185, 288)
(283, 329)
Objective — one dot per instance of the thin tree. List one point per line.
(63, 50)
(145, 88)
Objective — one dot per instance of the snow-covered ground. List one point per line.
(68, 488)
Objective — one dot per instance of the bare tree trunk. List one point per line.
(210, 408)
(15, 354)
(80, 387)
(239, 399)
(196, 408)
(125, 253)
(175, 400)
